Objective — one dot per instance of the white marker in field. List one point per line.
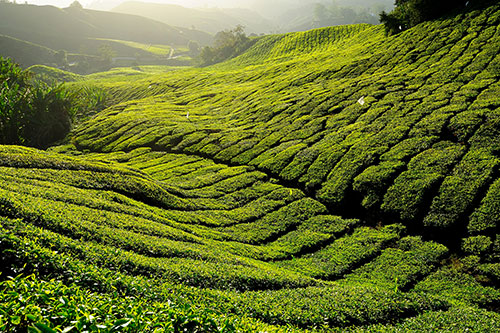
(361, 101)
(187, 115)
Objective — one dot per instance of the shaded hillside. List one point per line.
(68, 28)
(281, 16)
(25, 53)
(210, 20)
(333, 179)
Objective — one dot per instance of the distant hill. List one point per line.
(211, 20)
(285, 18)
(318, 15)
(25, 53)
(67, 28)
(275, 8)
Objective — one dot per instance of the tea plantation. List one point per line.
(329, 180)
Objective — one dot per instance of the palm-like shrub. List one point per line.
(33, 113)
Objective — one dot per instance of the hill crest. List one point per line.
(44, 25)
(211, 20)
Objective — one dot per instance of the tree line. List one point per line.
(227, 44)
(408, 13)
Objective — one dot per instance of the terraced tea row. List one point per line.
(380, 131)
(86, 232)
(332, 179)
(190, 306)
(96, 207)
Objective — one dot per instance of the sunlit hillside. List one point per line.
(31, 35)
(329, 180)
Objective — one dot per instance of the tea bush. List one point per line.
(334, 179)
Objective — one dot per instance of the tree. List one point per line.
(106, 54)
(392, 24)
(207, 56)
(14, 85)
(76, 5)
(408, 13)
(229, 38)
(227, 44)
(61, 58)
(194, 48)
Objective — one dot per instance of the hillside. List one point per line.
(272, 16)
(25, 53)
(313, 15)
(334, 179)
(71, 28)
(211, 20)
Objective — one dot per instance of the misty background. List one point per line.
(88, 36)
(257, 16)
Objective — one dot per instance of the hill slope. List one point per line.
(25, 53)
(210, 20)
(331, 179)
(68, 28)
(426, 93)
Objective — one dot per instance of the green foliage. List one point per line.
(458, 191)
(409, 13)
(458, 288)
(53, 75)
(89, 101)
(226, 188)
(343, 254)
(412, 187)
(456, 319)
(399, 268)
(109, 286)
(477, 245)
(336, 306)
(492, 271)
(277, 222)
(36, 113)
(29, 299)
(487, 215)
(32, 113)
(227, 44)
(376, 178)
